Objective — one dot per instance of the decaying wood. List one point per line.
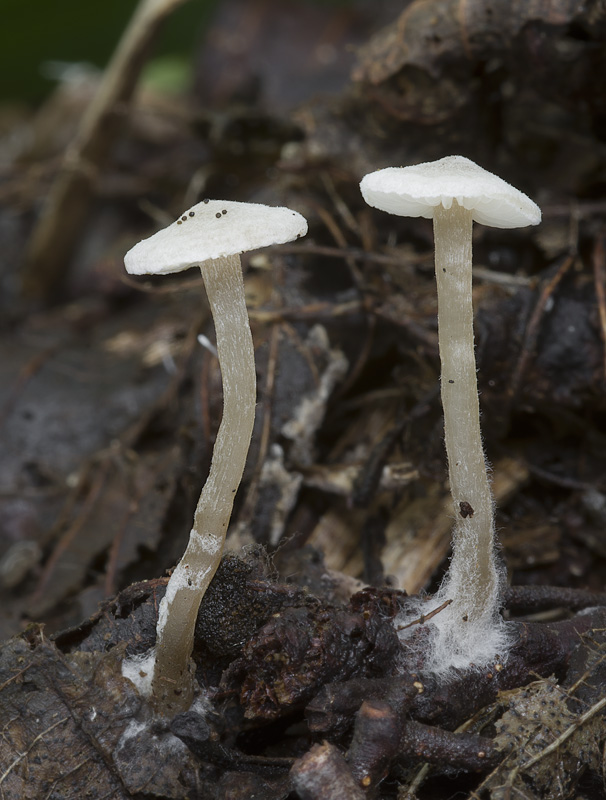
(323, 774)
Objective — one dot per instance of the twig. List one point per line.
(90, 500)
(340, 205)
(311, 311)
(114, 550)
(532, 329)
(23, 755)
(566, 734)
(339, 237)
(409, 792)
(370, 475)
(13, 677)
(68, 202)
(350, 252)
(62, 778)
(252, 494)
(539, 598)
(599, 276)
(27, 372)
(424, 617)
(564, 482)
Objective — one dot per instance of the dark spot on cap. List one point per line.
(192, 213)
(217, 215)
(450, 381)
(464, 617)
(443, 269)
(179, 222)
(184, 218)
(224, 211)
(205, 200)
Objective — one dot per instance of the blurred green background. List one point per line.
(33, 32)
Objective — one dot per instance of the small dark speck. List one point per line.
(450, 381)
(192, 213)
(224, 211)
(217, 215)
(465, 509)
(179, 222)
(443, 270)
(184, 218)
(464, 617)
(299, 235)
(205, 200)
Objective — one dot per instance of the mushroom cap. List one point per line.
(211, 229)
(416, 191)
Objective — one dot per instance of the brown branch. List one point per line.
(599, 275)
(425, 617)
(23, 755)
(66, 208)
(533, 329)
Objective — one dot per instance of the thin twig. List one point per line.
(92, 496)
(23, 755)
(311, 311)
(250, 502)
(599, 276)
(424, 617)
(13, 677)
(532, 329)
(66, 209)
(26, 373)
(566, 734)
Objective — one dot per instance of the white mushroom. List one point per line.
(211, 234)
(455, 192)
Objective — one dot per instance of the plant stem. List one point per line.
(473, 581)
(172, 685)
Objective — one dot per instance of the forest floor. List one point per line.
(109, 405)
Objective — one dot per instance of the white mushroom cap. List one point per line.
(415, 192)
(211, 229)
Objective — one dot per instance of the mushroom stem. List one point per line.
(473, 581)
(172, 685)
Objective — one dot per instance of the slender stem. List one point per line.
(473, 575)
(173, 682)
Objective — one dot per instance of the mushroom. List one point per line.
(455, 192)
(211, 234)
